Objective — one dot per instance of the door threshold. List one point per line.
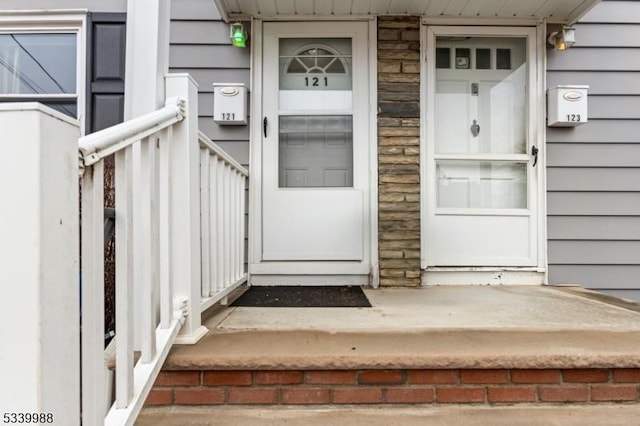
(483, 276)
(309, 280)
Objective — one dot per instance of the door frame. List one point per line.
(260, 271)
(484, 275)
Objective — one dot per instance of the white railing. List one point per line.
(179, 218)
(143, 244)
(223, 182)
(173, 258)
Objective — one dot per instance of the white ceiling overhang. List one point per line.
(555, 11)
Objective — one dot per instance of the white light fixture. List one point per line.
(563, 39)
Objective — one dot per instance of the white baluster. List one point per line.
(166, 288)
(124, 278)
(205, 232)
(94, 373)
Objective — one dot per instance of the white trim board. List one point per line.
(482, 276)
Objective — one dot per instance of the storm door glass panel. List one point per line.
(481, 184)
(485, 90)
(316, 118)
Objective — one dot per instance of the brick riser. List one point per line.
(454, 386)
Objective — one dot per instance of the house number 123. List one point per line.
(573, 117)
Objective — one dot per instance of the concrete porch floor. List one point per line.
(439, 327)
(428, 328)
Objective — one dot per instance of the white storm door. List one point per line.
(315, 141)
(482, 197)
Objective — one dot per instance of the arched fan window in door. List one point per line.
(316, 65)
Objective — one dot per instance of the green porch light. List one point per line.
(238, 35)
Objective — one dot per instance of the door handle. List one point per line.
(475, 128)
(264, 126)
(534, 152)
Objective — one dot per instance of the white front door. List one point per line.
(481, 174)
(315, 148)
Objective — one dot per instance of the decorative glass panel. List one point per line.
(315, 64)
(481, 184)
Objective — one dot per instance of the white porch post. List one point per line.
(147, 56)
(147, 63)
(39, 264)
(185, 206)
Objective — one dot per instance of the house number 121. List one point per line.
(315, 81)
(228, 116)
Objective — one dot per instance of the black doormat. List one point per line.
(303, 297)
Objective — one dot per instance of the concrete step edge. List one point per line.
(560, 415)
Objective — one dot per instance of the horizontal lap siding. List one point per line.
(593, 174)
(200, 46)
(90, 5)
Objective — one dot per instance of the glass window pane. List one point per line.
(483, 59)
(503, 59)
(443, 57)
(481, 184)
(315, 151)
(463, 59)
(496, 100)
(37, 63)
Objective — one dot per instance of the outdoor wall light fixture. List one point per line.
(238, 35)
(563, 39)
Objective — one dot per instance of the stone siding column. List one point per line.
(399, 150)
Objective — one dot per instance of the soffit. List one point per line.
(558, 11)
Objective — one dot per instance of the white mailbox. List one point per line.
(230, 103)
(567, 106)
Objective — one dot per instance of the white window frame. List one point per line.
(52, 22)
(539, 273)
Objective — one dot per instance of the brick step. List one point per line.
(571, 415)
(396, 386)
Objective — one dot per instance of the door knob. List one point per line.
(475, 128)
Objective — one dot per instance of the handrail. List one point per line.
(204, 140)
(99, 145)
